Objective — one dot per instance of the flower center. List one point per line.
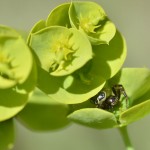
(5, 67)
(90, 23)
(62, 53)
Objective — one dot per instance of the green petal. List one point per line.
(105, 34)
(108, 59)
(135, 113)
(59, 16)
(90, 18)
(43, 113)
(136, 82)
(62, 50)
(69, 89)
(94, 117)
(6, 135)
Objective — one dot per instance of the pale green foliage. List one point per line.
(69, 57)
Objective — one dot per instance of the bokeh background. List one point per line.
(132, 18)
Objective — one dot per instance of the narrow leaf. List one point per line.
(135, 113)
(94, 117)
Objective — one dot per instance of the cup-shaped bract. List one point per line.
(17, 73)
(90, 18)
(59, 16)
(108, 59)
(60, 50)
(15, 61)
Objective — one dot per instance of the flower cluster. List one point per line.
(47, 82)
(77, 50)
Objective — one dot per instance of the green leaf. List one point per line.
(59, 16)
(43, 113)
(62, 50)
(108, 59)
(143, 98)
(136, 82)
(91, 19)
(135, 113)
(94, 117)
(6, 135)
(68, 89)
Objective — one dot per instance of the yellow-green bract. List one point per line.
(17, 73)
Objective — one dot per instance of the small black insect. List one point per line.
(101, 100)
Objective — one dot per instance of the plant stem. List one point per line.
(125, 137)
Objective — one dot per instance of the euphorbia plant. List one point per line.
(69, 57)
(17, 80)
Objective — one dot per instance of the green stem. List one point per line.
(125, 137)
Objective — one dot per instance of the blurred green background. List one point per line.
(132, 18)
